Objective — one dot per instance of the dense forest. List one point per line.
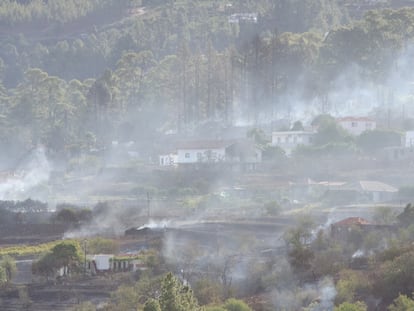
(77, 74)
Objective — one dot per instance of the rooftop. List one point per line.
(204, 144)
(352, 221)
(293, 133)
(355, 119)
(377, 186)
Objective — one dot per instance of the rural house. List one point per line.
(289, 140)
(363, 191)
(237, 154)
(408, 139)
(357, 125)
(342, 230)
(102, 263)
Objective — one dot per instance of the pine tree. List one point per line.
(175, 296)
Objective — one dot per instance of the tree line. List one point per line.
(37, 12)
(178, 72)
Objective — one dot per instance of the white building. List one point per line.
(289, 140)
(242, 154)
(168, 159)
(209, 151)
(408, 139)
(101, 262)
(357, 125)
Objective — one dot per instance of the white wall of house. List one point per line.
(408, 139)
(168, 159)
(103, 261)
(397, 153)
(356, 126)
(200, 155)
(289, 140)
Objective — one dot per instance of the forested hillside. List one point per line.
(77, 74)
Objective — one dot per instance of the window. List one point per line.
(354, 124)
(295, 139)
(368, 125)
(199, 156)
(278, 140)
(187, 155)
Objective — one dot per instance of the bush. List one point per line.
(332, 148)
(350, 285)
(396, 277)
(346, 306)
(236, 305)
(273, 153)
(372, 141)
(402, 303)
(102, 246)
(272, 208)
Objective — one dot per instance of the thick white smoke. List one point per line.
(313, 297)
(28, 176)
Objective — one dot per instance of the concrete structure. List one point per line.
(169, 159)
(408, 139)
(104, 263)
(357, 125)
(208, 151)
(289, 140)
(229, 152)
(363, 191)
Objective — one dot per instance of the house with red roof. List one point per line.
(357, 125)
(344, 228)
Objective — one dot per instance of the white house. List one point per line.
(102, 263)
(99, 263)
(289, 140)
(408, 139)
(357, 125)
(208, 151)
(169, 159)
(239, 154)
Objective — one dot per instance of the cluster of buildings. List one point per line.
(244, 152)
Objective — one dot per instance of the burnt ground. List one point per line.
(41, 295)
(259, 237)
(11, 234)
(58, 296)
